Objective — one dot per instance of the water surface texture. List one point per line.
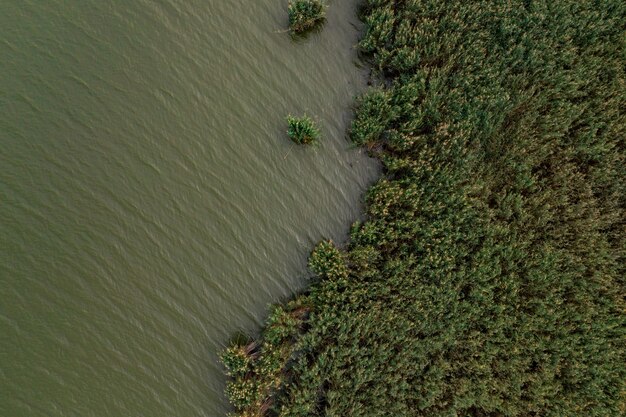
(150, 203)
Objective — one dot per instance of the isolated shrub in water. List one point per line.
(302, 130)
(305, 15)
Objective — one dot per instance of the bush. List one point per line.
(236, 360)
(242, 392)
(302, 130)
(260, 368)
(327, 261)
(280, 326)
(305, 15)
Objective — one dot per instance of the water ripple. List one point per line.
(150, 203)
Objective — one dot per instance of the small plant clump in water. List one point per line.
(302, 130)
(305, 15)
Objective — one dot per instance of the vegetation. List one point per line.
(488, 279)
(305, 15)
(302, 130)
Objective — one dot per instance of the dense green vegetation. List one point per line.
(302, 130)
(305, 15)
(488, 279)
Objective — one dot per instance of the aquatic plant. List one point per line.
(259, 370)
(488, 277)
(326, 261)
(302, 130)
(236, 360)
(305, 15)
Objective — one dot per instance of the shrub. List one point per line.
(374, 113)
(327, 261)
(280, 326)
(305, 15)
(242, 392)
(302, 130)
(236, 360)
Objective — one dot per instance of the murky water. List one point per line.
(150, 203)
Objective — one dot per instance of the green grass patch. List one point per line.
(305, 15)
(302, 130)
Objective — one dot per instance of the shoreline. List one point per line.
(444, 300)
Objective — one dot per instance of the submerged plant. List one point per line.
(305, 15)
(302, 130)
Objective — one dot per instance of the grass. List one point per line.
(302, 130)
(305, 15)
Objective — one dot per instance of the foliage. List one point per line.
(280, 326)
(237, 361)
(302, 130)
(488, 279)
(327, 262)
(305, 15)
(259, 369)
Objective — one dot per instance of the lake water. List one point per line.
(150, 202)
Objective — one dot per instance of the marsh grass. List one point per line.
(305, 15)
(488, 276)
(302, 130)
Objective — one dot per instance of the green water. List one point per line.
(150, 203)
